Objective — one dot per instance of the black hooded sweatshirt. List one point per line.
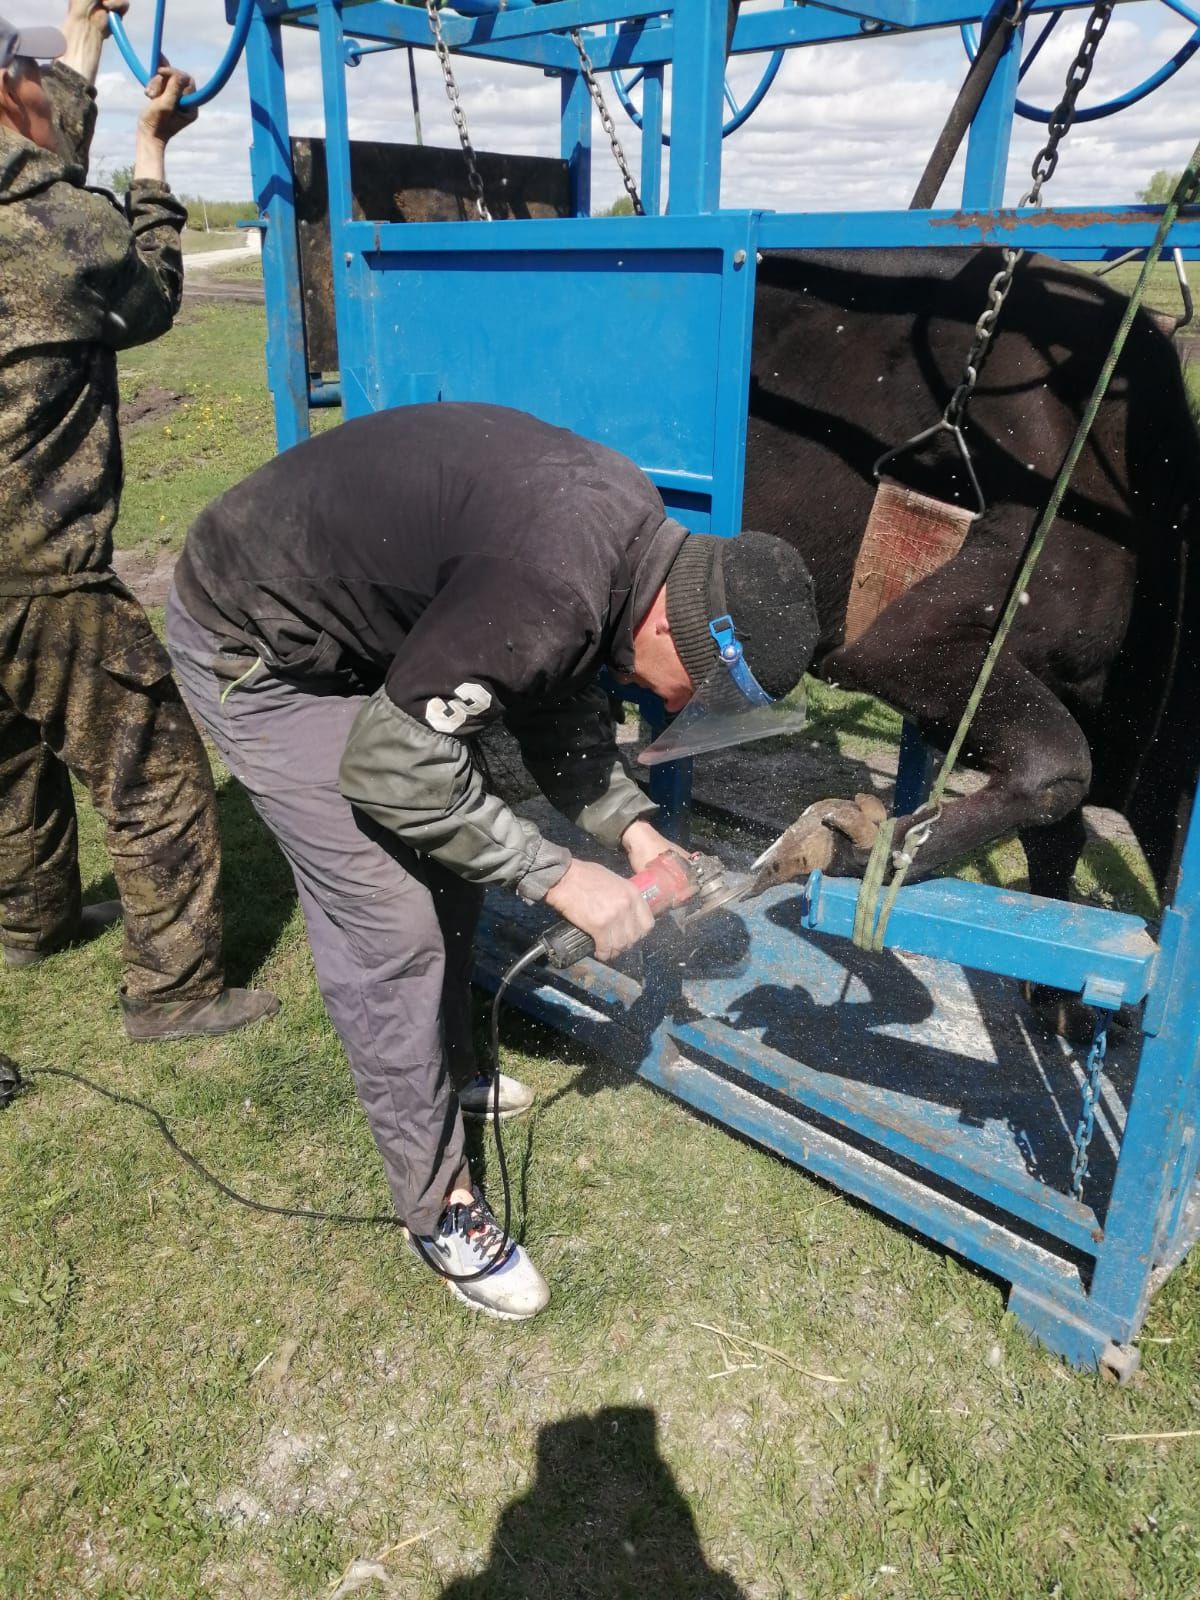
(457, 563)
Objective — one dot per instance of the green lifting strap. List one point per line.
(874, 902)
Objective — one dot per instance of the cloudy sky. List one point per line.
(846, 126)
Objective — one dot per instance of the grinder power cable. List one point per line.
(669, 883)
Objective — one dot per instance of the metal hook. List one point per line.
(918, 439)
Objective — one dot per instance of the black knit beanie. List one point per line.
(764, 586)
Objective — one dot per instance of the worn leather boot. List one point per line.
(148, 1021)
(92, 921)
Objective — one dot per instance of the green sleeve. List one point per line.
(74, 104)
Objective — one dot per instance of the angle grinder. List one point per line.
(668, 883)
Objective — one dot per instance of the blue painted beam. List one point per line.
(698, 85)
(949, 1222)
(1072, 232)
(1084, 233)
(614, 237)
(408, 26)
(914, 1135)
(799, 27)
(1022, 936)
(274, 195)
(520, 38)
(991, 131)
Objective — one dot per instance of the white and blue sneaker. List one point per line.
(466, 1240)
(475, 1097)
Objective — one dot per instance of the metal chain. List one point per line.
(456, 110)
(606, 121)
(1091, 1098)
(1042, 170)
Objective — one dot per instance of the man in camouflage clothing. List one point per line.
(85, 685)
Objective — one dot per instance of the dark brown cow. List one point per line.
(1095, 696)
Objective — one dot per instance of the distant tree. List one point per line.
(619, 208)
(121, 179)
(1160, 188)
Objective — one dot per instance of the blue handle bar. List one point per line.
(233, 52)
(1120, 102)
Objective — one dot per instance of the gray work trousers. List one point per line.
(391, 932)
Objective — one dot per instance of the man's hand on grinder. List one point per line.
(642, 844)
(604, 905)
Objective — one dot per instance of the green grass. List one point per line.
(220, 431)
(248, 270)
(203, 1404)
(197, 242)
(1162, 292)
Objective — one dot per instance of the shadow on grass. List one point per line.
(604, 1518)
(260, 895)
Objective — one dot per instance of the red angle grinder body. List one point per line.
(667, 883)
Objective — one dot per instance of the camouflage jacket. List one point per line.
(79, 281)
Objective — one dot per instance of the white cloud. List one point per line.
(845, 126)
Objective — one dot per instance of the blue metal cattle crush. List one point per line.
(794, 1038)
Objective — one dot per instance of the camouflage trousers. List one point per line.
(86, 688)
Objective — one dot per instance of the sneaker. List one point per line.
(475, 1097)
(225, 1012)
(467, 1238)
(93, 920)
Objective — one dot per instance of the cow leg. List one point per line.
(1033, 751)
(1053, 853)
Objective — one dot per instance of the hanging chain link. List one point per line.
(456, 110)
(606, 121)
(1042, 171)
(1090, 1098)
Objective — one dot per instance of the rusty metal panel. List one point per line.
(405, 183)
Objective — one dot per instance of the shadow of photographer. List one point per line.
(603, 1520)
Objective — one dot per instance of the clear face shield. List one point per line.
(730, 707)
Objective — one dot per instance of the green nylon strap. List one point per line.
(870, 917)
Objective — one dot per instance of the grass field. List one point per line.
(201, 1402)
(197, 242)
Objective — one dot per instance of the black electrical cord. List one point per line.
(13, 1079)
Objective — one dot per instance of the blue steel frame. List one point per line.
(412, 304)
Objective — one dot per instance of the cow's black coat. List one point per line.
(1095, 695)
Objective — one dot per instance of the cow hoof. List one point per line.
(1066, 1015)
(1060, 1013)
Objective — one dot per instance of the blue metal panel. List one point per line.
(574, 297)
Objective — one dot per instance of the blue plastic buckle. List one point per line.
(734, 661)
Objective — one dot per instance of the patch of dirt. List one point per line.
(146, 574)
(240, 1509)
(152, 403)
(215, 289)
